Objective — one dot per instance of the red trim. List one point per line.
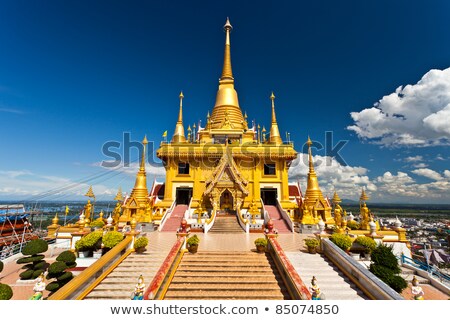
(298, 282)
(163, 270)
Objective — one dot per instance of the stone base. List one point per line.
(308, 228)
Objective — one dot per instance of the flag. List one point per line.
(165, 134)
(67, 210)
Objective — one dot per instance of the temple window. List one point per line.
(269, 169)
(183, 168)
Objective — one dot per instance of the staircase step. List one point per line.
(226, 294)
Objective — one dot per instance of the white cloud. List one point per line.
(428, 173)
(414, 115)
(414, 159)
(346, 180)
(420, 165)
(447, 174)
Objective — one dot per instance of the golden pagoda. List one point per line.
(138, 204)
(226, 165)
(314, 205)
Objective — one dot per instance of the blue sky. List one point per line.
(74, 75)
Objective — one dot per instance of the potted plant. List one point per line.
(261, 245)
(368, 244)
(140, 244)
(111, 239)
(89, 243)
(312, 244)
(192, 243)
(343, 241)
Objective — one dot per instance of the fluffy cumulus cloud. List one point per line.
(346, 180)
(428, 173)
(414, 158)
(413, 115)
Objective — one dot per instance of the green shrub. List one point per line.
(368, 243)
(1, 266)
(57, 267)
(353, 225)
(26, 275)
(141, 242)
(34, 247)
(92, 240)
(6, 292)
(67, 256)
(34, 261)
(192, 241)
(343, 241)
(261, 242)
(52, 286)
(97, 224)
(385, 266)
(112, 238)
(312, 242)
(65, 276)
(383, 255)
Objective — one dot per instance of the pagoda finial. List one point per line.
(310, 158)
(144, 142)
(178, 135)
(90, 193)
(274, 131)
(364, 196)
(336, 199)
(227, 73)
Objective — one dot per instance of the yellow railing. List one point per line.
(79, 285)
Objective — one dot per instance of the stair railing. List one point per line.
(244, 223)
(285, 216)
(167, 215)
(432, 270)
(210, 222)
(187, 213)
(265, 214)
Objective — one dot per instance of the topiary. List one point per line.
(385, 266)
(6, 292)
(97, 224)
(353, 225)
(312, 242)
(193, 241)
(112, 238)
(141, 242)
(343, 241)
(368, 243)
(261, 242)
(34, 262)
(1, 266)
(57, 270)
(92, 241)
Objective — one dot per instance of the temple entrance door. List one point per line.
(226, 201)
(269, 196)
(183, 195)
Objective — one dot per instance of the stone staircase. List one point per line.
(277, 219)
(332, 282)
(226, 224)
(408, 275)
(226, 275)
(120, 283)
(173, 222)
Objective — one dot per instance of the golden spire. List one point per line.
(178, 135)
(336, 198)
(227, 99)
(364, 196)
(119, 195)
(274, 131)
(227, 73)
(313, 191)
(140, 186)
(90, 193)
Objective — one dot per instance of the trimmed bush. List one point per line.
(112, 238)
(141, 242)
(34, 263)
(343, 241)
(193, 241)
(91, 241)
(1, 266)
(385, 267)
(312, 242)
(6, 292)
(97, 224)
(368, 243)
(353, 225)
(34, 247)
(261, 242)
(57, 270)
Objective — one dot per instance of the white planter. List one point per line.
(97, 254)
(83, 254)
